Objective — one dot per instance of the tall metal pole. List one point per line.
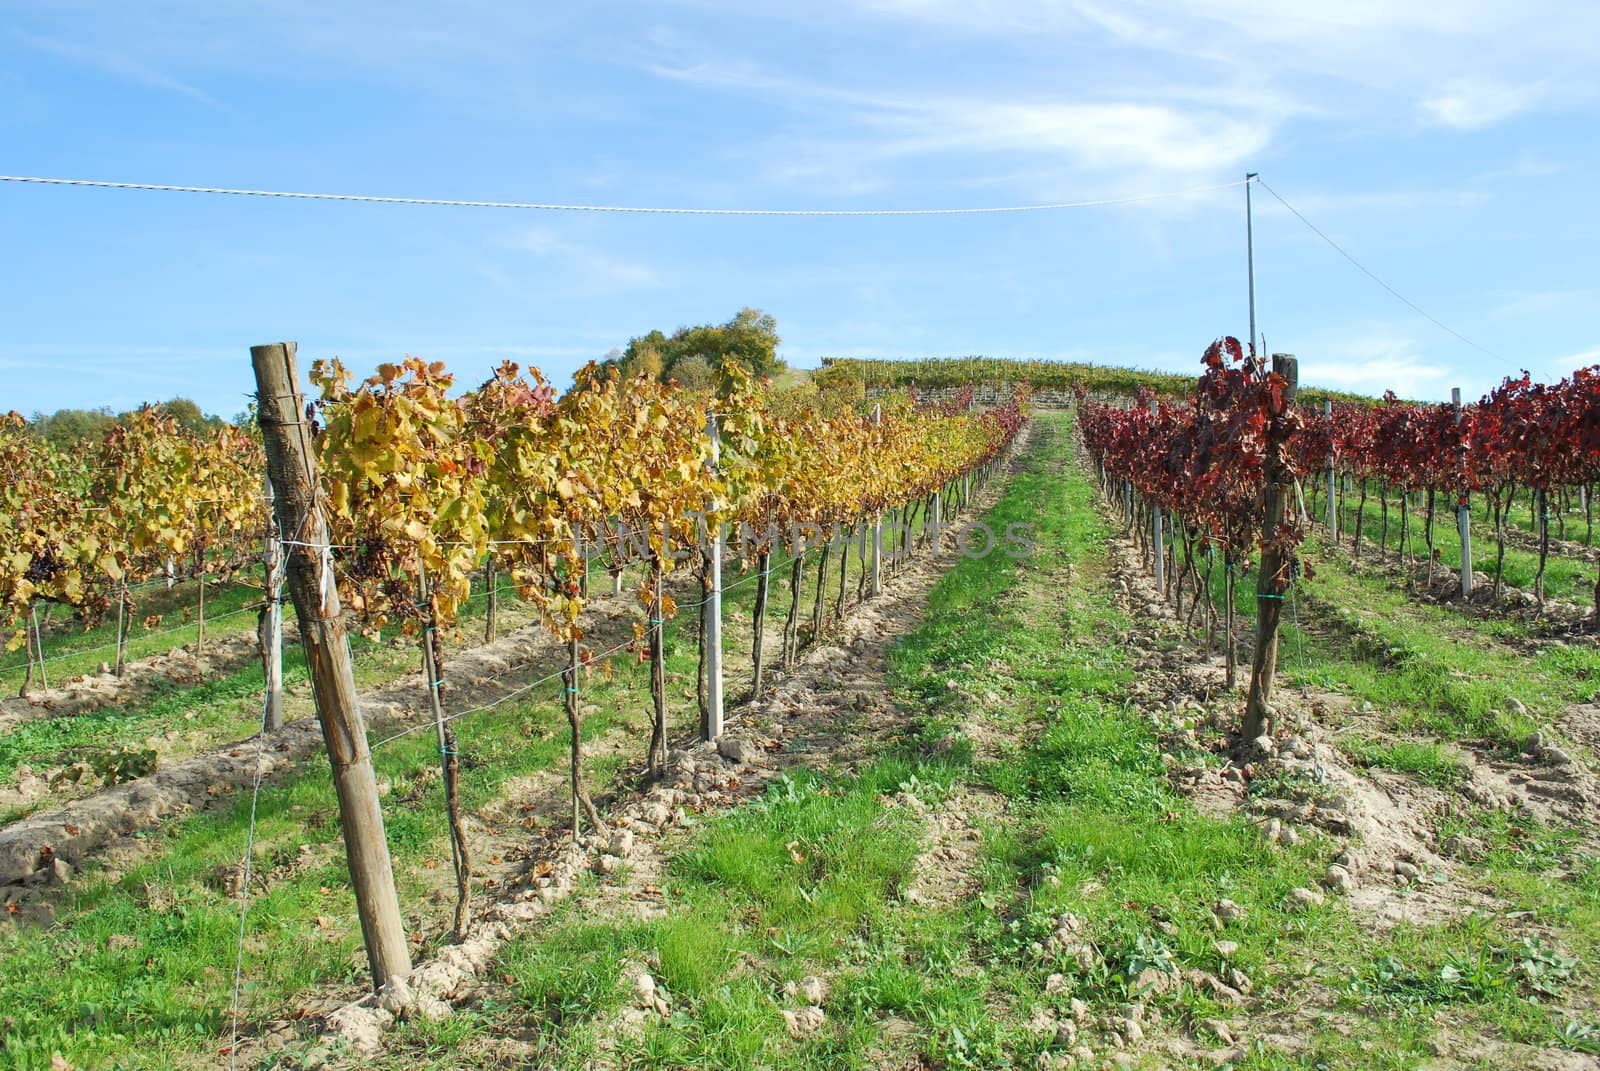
(1250, 255)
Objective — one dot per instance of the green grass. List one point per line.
(1424, 668)
(1427, 760)
(1457, 675)
(71, 650)
(810, 878)
(1565, 578)
(222, 708)
(799, 882)
(807, 880)
(161, 994)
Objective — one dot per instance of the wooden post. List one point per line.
(491, 604)
(822, 585)
(877, 526)
(34, 638)
(271, 622)
(1333, 514)
(758, 637)
(656, 758)
(791, 621)
(123, 623)
(581, 803)
(711, 719)
(861, 562)
(292, 466)
(38, 645)
(1541, 501)
(1463, 512)
(1273, 578)
(844, 568)
(1156, 547)
(449, 753)
(200, 632)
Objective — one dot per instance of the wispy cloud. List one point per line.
(1374, 360)
(1523, 304)
(116, 63)
(590, 265)
(1141, 135)
(1098, 136)
(1472, 103)
(1565, 366)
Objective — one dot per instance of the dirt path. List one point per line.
(181, 666)
(1387, 859)
(832, 711)
(108, 820)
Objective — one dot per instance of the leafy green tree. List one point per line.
(693, 373)
(67, 428)
(694, 355)
(188, 415)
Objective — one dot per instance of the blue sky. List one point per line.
(1450, 146)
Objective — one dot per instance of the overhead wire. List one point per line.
(440, 202)
(1369, 273)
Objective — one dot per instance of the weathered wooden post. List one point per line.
(1156, 545)
(124, 622)
(1463, 511)
(1333, 513)
(491, 599)
(1273, 579)
(877, 525)
(292, 467)
(449, 753)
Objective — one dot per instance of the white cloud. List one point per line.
(1527, 304)
(591, 266)
(1561, 367)
(1138, 141)
(1096, 136)
(1368, 60)
(115, 63)
(1472, 103)
(1373, 363)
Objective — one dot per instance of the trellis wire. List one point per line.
(275, 585)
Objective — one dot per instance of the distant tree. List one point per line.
(188, 415)
(66, 428)
(693, 373)
(691, 355)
